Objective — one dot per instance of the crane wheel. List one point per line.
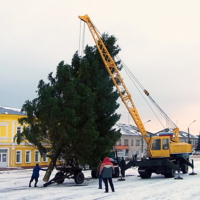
(170, 174)
(144, 173)
(184, 168)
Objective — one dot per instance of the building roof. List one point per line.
(182, 134)
(11, 111)
(128, 129)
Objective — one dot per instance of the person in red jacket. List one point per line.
(106, 171)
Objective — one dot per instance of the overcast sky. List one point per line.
(159, 41)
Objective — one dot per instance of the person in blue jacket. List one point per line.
(35, 174)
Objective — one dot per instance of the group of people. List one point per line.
(105, 172)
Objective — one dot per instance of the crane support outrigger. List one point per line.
(165, 154)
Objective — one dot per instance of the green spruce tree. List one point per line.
(75, 111)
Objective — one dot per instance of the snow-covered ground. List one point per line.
(14, 186)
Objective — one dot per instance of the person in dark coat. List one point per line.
(122, 166)
(35, 174)
(106, 171)
(135, 156)
(99, 176)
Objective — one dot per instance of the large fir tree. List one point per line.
(74, 113)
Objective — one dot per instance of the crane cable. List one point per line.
(81, 48)
(135, 81)
(137, 84)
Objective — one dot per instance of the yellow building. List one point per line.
(12, 154)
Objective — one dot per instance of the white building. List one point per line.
(131, 141)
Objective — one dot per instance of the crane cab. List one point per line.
(163, 146)
(159, 146)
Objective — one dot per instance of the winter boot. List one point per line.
(35, 183)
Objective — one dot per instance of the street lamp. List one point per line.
(147, 121)
(143, 140)
(189, 132)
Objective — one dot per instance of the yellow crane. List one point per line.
(165, 153)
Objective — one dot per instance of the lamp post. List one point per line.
(189, 132)
(143, 140)
(147, 121)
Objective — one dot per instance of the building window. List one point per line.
(19, 129)
(125, 142)
(131, 142)
(37, 156)
(28, 157)
(44, 157)
(137, 142)
(18, 157)
(119, 142)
